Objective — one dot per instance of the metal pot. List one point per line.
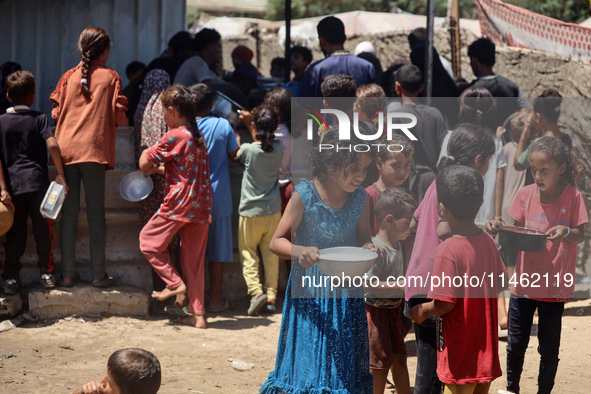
(522, 238)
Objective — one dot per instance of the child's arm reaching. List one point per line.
(56, 156)
(281, 243)
(420, 313)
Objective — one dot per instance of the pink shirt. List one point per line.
(461, 361)
(549, 268)
(426, 241)
(187, 188)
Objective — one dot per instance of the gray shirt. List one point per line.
(390, 266)
(260, 182)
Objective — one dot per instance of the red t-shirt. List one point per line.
(468, 349)
(552, 267)
(187, 193)
(374, 226)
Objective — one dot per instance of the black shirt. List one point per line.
(23, 151)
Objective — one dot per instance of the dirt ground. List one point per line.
(59, 356)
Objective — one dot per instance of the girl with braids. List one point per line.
(260, 208)
(186, 209)
(88, 104)
(554, 206)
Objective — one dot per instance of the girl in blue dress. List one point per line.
(323, 344)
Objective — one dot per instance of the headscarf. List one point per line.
(243, 53)
(149, 124)
(443, 84)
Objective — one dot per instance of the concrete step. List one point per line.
(10, 306)
(83, 299)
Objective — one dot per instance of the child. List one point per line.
(467, 311)
(552, 205)
(323, 343)
(387, 351)
(370, 103)
(430, 129)
(471, 146)
(222, 146)
(260, 208)
(88, 104)
(513, 181)
(543, 121)
(149, 127)
(338, 92)
(25, 136)
(393, 168)
(279, 99)
(278, 68)
(186, 207)
(129, 371)
(301, 57)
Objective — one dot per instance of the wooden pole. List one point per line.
(453, 14)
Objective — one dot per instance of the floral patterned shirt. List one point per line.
(187, 187)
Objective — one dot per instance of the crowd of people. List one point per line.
(427, 208)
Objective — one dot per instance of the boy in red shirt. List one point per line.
(464, 288)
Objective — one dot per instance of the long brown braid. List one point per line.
(92, 43)
(184, 101)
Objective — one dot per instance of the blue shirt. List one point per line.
(220, 140)
(338, 62)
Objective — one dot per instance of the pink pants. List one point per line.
(154, 240)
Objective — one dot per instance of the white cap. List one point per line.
(365, 46)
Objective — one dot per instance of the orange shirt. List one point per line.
(85, 130)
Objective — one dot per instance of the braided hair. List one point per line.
(183, 100)
(92, 43)
(265, 124)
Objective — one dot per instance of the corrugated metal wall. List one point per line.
(42, 35)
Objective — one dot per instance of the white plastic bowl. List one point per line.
(135, 187)
(346, 260)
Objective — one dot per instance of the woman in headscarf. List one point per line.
(443, 84)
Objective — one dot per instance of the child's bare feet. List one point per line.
(195, 321)
(181, 301)
(167, 293)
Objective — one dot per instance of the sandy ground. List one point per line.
(59, 356)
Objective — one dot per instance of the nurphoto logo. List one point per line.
(344, 127)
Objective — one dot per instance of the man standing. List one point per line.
(482, 59)
(331, 34)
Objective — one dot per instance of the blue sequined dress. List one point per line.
(323, 344)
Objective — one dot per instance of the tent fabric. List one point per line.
(510, 25)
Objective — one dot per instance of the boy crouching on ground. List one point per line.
(393, 211)
(467, 345)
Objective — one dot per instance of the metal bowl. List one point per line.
(346, 260)
(522, 238)
(135, 187)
